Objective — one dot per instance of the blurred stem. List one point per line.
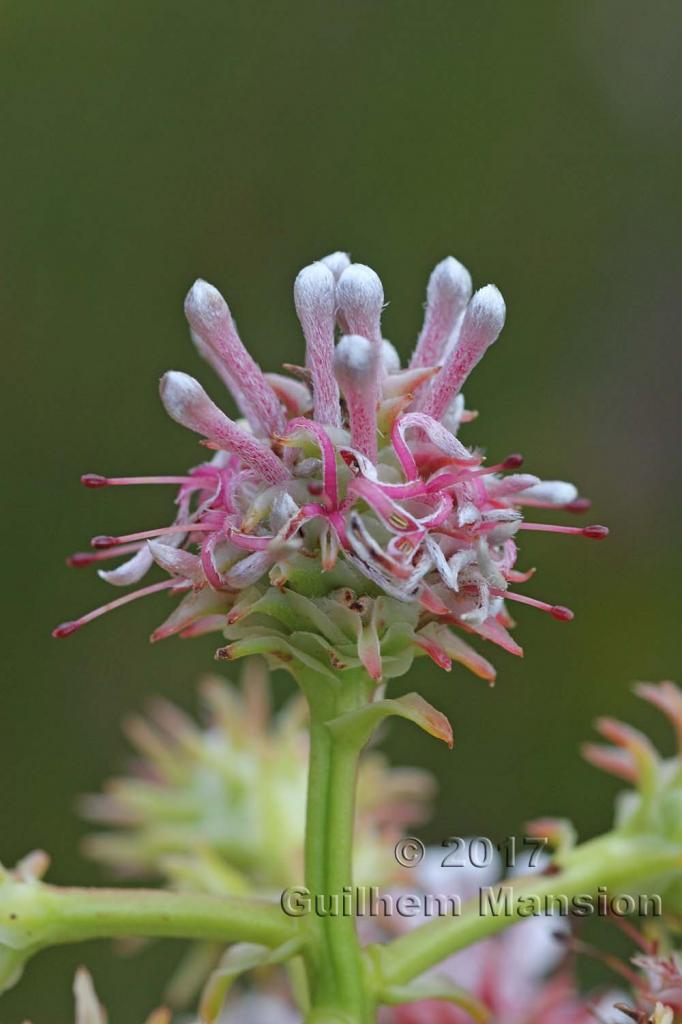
(335, 964)
(35, 916)
(618, 862)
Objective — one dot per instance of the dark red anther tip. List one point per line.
(66, 629)
(560, 613)
(103, 541)
(94, 480)
(513, 461)
(579, 505)
(80, 560)
(223, 654)
(596, 532)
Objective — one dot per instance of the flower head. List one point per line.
(345, 486)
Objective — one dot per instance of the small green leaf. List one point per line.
(358, 726)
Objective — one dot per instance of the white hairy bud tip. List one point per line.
(360, 298)
(337, 262)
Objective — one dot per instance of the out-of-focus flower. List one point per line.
(341, 523)
(516, 977)
(654, 805)
(257, 1007)
(89, 1010)
(659, 992)
(250, 1008)
(222, 807)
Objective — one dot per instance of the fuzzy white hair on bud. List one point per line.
(337, 262)
(483, 321)
(218, 366)
(187, 403)
(315, 301)
(204, 304)
(211, 323)
(353, 361)
(360, 299)
(447, 295)
(314, 291)
(390, 359)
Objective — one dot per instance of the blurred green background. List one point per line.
(147, 144)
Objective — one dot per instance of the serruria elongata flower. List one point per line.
(344, 487)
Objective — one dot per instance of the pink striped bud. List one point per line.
(221, 370)
(360, 299)
(356, 366)
(187, 403)
(447, 295)
(211, 321)
(482, 324)
(315, 300)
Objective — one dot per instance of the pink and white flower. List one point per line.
(517, 977)
(352, 465)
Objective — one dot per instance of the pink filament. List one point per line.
(94, 480)
(319, 434)
(82, 558)
(557, 611)
(104, 541)
(594, 532)
(67, 628)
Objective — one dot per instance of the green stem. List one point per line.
(34, 916)
(620, 863)
(105, 913)
(316, 809)
(320, 703)
(335, 965)
(342, 929)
